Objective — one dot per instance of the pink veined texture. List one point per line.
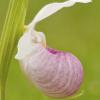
(55, 73)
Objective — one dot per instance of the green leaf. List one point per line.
(12, 30)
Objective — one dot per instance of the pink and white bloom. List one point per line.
(55, 73)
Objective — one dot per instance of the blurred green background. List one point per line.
(75, 29)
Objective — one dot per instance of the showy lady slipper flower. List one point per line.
(55, 73)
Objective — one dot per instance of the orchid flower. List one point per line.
(55, 73)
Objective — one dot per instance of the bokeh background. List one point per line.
(75, 29)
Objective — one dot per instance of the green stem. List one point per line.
(12, 30)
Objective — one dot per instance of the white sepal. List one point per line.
(52, 8)
(83, 1)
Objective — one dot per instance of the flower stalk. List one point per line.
(12, 30)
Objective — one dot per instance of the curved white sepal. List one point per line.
(52, 8)
(83, 1)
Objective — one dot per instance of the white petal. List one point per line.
(28, 43)
(53, 8)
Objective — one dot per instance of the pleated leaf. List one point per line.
(12, 30)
